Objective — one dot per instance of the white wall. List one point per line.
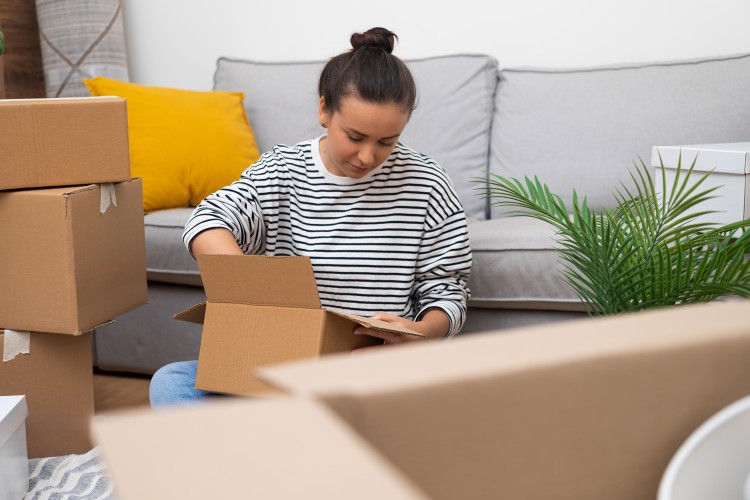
(176, 42)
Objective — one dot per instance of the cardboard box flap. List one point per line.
(260, 445)
(193, 314)
(70, 191)
(259, 280)
(376, 324)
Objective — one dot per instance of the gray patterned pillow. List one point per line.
(80, 39)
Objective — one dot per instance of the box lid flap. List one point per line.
(259, 280)
(376, 324)
(13, 413)
(193, 314)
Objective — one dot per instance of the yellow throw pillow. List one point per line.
(184, 144)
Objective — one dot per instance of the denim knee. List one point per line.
(174, 384)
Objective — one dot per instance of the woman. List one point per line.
(381, 223)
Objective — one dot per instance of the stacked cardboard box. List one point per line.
(72, 256)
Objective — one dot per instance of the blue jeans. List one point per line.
(174, 385)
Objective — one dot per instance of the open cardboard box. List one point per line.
(266, 310)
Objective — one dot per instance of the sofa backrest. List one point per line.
(579, 129)
(451, 123)
(583, 128)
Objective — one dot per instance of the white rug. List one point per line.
(69, 477)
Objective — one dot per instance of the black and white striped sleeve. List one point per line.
(444, 259)
(237, 209)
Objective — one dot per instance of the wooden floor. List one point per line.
(115, 392)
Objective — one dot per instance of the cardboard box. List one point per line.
(586, 409)
(14, 469)
(63, 142)
(730, 164)
(57, 379)
(265, 310)
(65, 266)
(244, 449)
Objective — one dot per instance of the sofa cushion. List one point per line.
(451, 123)
(584, 128)
(515, 265)
(167, 259)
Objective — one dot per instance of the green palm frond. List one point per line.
(651, 250)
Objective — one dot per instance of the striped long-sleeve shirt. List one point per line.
(394, 241)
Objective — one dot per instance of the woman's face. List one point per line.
(360, 136)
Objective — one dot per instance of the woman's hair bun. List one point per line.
(375, 38)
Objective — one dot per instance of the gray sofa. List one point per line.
(577, 128)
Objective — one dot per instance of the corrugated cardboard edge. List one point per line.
(376, 324)
(80, 189)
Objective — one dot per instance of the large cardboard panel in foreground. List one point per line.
(244, 449)
(580, 410)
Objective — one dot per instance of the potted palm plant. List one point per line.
(649, 251)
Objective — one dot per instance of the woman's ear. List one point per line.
(322, 113)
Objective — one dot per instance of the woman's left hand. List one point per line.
(433, 325)
(392, 338)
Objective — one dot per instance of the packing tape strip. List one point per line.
(108, 197)
(14, 343)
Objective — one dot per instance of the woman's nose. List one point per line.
(366, 156)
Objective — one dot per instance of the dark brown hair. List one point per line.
(370, 72)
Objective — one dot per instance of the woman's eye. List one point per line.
(355, 139)
(387, 144)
